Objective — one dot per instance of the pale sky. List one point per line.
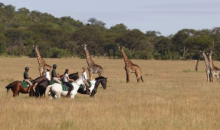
(165, 16)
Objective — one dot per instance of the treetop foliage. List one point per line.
(63, 37)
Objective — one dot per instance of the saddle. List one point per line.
(64, 87)
(24, 84)
(82, 86)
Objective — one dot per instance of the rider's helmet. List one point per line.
(26, 68)
(54, 66)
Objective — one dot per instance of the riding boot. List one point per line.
(29, 89)
(68, 94)
(87, 89)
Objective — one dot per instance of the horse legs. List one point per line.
(93, 92)
(15, 92)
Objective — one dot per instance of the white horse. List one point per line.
(57, 91)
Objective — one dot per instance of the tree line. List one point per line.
(63, 37)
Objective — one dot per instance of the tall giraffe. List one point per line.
(207, 64)
(42, 64)
(131, 68)
(215, 71)
(92, 67)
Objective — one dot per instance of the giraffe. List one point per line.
(42, 64)
(207, 64)
(130, 67)
(92, 67)
(215, 71)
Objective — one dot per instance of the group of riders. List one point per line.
(55, 77)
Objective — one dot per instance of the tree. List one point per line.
(131, 39)
(2, 44)
(179, 38)
(163, 48)
(118, 28)
(198, 44)
(92, 21)
(92, 36)
(152, 33)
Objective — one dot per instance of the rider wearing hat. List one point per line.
(54, 75)
(26, 77)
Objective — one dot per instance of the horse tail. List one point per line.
(142, 79)
(9, 86)
(47, 90)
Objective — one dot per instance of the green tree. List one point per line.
(163, 49)
(92, 36)
(118, 28)
(179, 38)
(131, 39)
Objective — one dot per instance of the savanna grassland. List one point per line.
(172, 97)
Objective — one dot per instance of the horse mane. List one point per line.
(38, 77)
(100, 77)
(73, 74)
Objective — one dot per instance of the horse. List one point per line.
(94, 85)
(56, 89)
(42, 86)
(74, 76)
(17, 88)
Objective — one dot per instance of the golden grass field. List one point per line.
(172, 97)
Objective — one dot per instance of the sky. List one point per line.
(165, 16)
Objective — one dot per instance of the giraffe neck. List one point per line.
(207, 64)
(126, 60)
(211, 61)
(39, 59)
(88, 58)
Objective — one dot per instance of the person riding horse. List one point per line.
(47, 74)
(84, 78)
(54, 75)
(27, 78)
(66, 80)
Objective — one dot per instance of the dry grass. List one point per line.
(173, 97)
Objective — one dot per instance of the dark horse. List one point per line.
(17, 88)
(98, 80)
(42, 86)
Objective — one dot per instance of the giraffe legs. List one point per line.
(208, 76)
(90, 75)
(127, 76)
(139, 77)
(40, 71)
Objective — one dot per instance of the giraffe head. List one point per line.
(121, 48)
(84, 45)
(35, 46)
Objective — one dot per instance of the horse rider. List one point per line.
(66, 81)
(84, 78)
(54, 75)
(47, 74)
(27, 78)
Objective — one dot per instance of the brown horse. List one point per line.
(17, 88)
